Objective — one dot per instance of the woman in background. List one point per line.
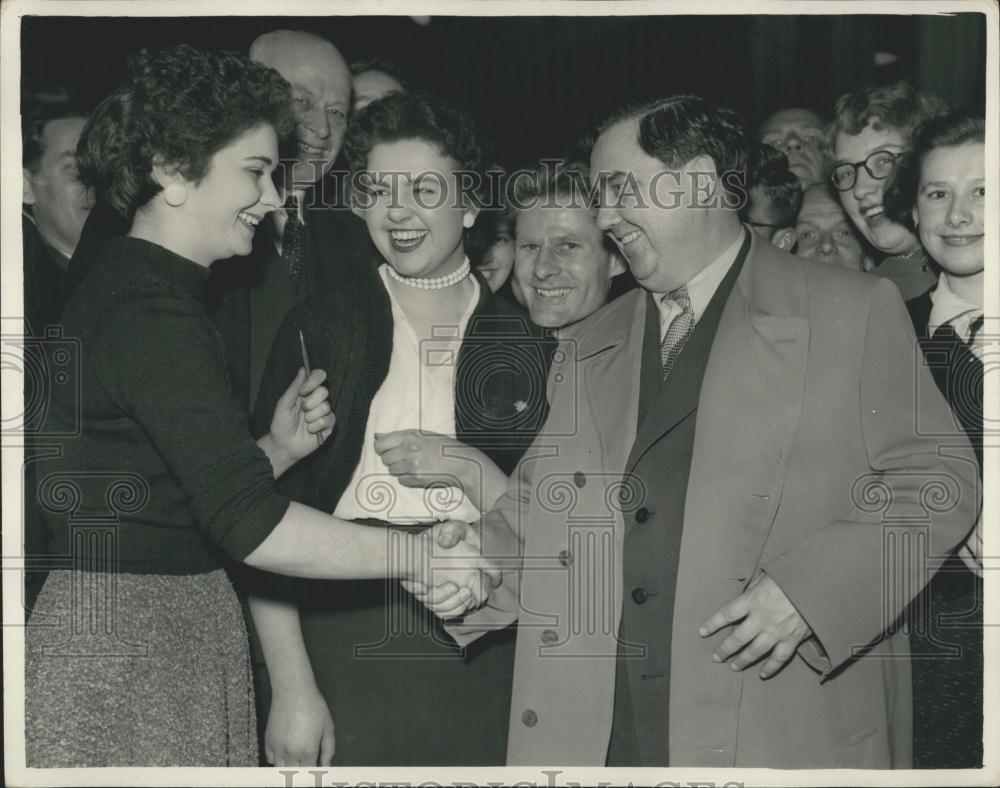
(872, 128)
(940, 192)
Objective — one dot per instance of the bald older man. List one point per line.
(313, 244)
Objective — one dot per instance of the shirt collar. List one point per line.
(949, 307)
(704, 284)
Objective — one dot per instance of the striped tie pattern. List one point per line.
(678, 331)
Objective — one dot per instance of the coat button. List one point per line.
(579, 478)
(550, 636)
(565, 558)
(642, 515)
(639, 595)
(529, 718)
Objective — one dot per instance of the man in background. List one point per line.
(825, 233)
(55, 206)
(373, 79)
(800, 134)
(314, 243)
(774, 197)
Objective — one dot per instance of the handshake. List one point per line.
(449, 575)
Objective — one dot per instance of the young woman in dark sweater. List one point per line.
(439, 389)
(137, 655)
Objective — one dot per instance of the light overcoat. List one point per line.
(824, 456)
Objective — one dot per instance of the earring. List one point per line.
(175, 194)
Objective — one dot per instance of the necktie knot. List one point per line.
(680, 297)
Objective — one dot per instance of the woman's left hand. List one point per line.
(302, 418)
(422, 459)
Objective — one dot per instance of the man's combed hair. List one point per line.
(177, 108)
(409, 116)
(552, 185)
(675, 130)
(33, 123)
(769, 172)
(898, 107)
(945, 131)
(557, 182)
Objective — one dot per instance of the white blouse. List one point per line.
(418, 393)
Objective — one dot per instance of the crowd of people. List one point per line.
(430, 477)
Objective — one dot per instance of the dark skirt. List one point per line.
(400, 691)
(947, 651)
(138, 670)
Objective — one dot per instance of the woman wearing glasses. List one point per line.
(870, 130)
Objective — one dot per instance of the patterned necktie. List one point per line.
(291, 241)
(679, 330)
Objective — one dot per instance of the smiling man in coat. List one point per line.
(744, 480)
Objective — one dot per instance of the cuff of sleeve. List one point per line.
(499, 612)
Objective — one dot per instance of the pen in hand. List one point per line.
(308, 368)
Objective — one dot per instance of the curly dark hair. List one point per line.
(769, 172)
(899, 107)
(679, 128)
(178, 107)
(944, 131)
(407, 116)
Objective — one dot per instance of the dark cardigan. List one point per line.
(499, 391)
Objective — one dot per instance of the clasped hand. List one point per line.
(456, 578)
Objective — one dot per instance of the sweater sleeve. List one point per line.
(162, 362)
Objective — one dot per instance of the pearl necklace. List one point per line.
(434, 282)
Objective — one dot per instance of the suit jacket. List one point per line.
(806, 466)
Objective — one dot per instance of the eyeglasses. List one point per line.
(879, 165)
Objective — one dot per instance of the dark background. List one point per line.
(538, 83)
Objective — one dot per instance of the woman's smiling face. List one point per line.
(864, 201)
(416, 214)
(223, 209)
(951, 196)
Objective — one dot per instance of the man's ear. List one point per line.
(785, 238)
(28, 189)
(704, 181)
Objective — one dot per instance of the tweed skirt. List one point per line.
(138, 670)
